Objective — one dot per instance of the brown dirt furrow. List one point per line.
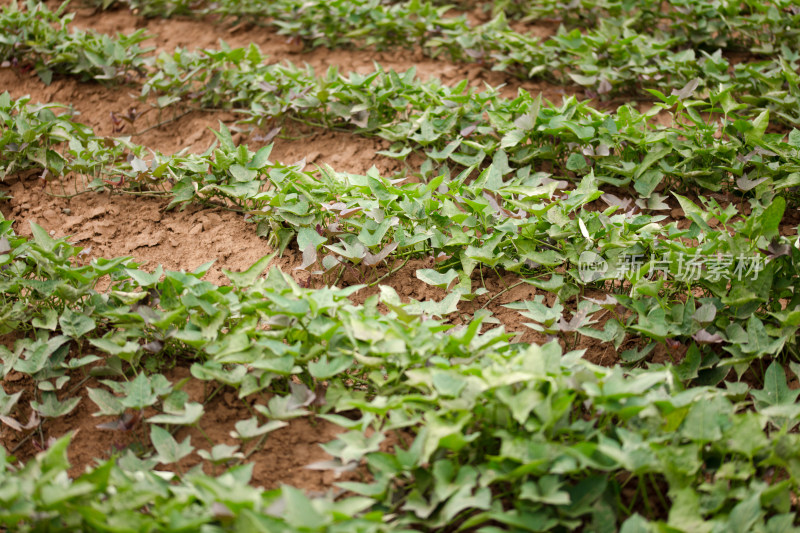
(283, 455)
(114, 225)
(198, 34)
(342, 151)
(192, 130)
(282, 458)
(94, 104)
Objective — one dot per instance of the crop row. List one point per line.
(627, 59)
(33, 37)
(709, 143)
(488, 432)
(626, 49)
(757, 25)
(715, 143)
(526, 224)
(754, 25)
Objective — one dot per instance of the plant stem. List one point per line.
(161, 123)
(388, 274)
(493, 298)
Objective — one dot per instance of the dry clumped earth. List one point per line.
(112, 225)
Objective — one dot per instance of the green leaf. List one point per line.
(745, 514)
(249, 428)
(75, 324)
(687, 369)
(224, 137)
(51, 407)
(513, 138)
(546, 257)
(576, 162)
(693, 213)
(326, 368)
(299, 513)
(37, 355)
(436, 278)
(288, 406)
(705, 313)
(249, 276)
(770, 219)
(794, 138)
(242, 174)
(353, 445)
(8, 401)
(202, 270)
(581, 79)
(636, 523)
(46, 75)
(756, 133)
(107, 402)
(168, 449)
(145, 279)
(467, 160)
(465, 499)
(48, 321)
(309, 237)
(379, 188)
(746, 435)
(447, 305)
(260, 158)
(448, 384)
(221, 453)
(776, 391)
(125, 351)
(706, 419)
(140, 393)
(649, 159)
(42, 237)
(189, 416)
(55, 457)
(647, 182)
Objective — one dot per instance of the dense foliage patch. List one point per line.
(454, 428)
